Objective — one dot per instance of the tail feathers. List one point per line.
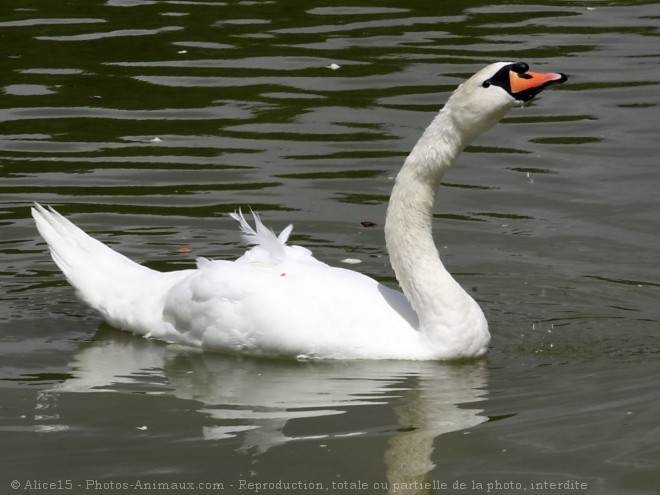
(267, 243)
(103, 278)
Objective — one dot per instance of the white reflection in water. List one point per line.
(256, 398)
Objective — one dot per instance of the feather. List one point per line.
(268, 245)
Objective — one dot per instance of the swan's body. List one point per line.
(278, 300)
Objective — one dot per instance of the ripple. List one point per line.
(49, 22)
(258, 63)
(229, 111)
(110, 34)
(342, 11)
(204, 45)
(380, 23)
(242, 22)
(53, 71)
(27, 90)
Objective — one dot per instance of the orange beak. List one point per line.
(527, 84)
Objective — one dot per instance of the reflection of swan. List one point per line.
(279, 300)
(431, 410)
(253, 400)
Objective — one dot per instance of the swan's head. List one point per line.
(487, 96)
(514, 81)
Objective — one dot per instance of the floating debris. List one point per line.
(184, 249)
(351, 261)
(333, 66)
(367, 223)
(156, 140)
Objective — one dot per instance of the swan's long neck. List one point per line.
(442, 306)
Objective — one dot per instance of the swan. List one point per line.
(278, 300)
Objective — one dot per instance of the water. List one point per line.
(551, 219)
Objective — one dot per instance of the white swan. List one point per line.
(278, 300)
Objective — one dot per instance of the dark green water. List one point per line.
(551, 219)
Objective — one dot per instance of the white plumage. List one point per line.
(278, 300)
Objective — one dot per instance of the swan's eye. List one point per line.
(486, 84)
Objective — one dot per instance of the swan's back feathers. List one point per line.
(268, 248)
(262, 235)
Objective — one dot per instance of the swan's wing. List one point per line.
(289, 309)
(280, 300)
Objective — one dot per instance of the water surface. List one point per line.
(146, 122)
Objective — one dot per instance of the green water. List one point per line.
(551, 220)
